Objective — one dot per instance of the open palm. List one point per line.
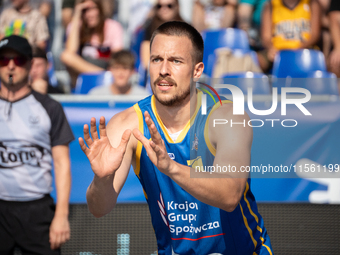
(104, 158)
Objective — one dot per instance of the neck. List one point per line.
(290, 3)
(13, 93)
(176, 117)
(120, 90)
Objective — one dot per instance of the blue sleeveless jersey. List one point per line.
(183, 224)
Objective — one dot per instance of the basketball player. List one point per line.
(189, 215)
(33, 131)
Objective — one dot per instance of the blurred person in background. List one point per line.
(122, 68)
(39, 80)
(288, 24)
(92, 36)
(23, 20)
(139, 12)
(44, 6)
(33, 129)
(249, 13)
(325, 42)
(68, 9)
(214, 15)
(164, 10)
(334, 57)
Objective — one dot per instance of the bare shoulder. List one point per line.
(127, 119)
(224, 123)
(226, 110)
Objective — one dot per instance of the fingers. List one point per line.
(124, 141)
(147, 143)
(87, 137)
(93, 129)
(156, 137)
(83, 145)
(140, 137)
(54, 240)
(57, 239)
(102, 127)
(156, 149)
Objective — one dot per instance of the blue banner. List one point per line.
(282, 147)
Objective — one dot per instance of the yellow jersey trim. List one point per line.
(247, 226)
(139, 144)
(187, 126)
(268, 249)
(145, 195)
(245, 199)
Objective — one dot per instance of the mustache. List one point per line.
(168, 79)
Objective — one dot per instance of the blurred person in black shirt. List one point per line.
(38, 74)
(334, 57)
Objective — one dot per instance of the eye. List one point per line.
(176, 61)
(156, 60)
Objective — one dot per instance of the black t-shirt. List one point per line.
(335, 5)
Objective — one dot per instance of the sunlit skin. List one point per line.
(122, 75)
(39, 68)
(19, 74)
(20, 4)
(165, 13)
(38, 75)
(91, 14)
(219, 2)
(171, 69)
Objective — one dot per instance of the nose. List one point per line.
(165, 69)
(11, 64)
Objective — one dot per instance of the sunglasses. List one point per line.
(159, 6)
(18, 61)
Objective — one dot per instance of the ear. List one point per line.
(198, 70)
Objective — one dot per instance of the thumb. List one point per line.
(124, 141)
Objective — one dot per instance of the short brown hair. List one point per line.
(39, 53)
(180, 28)
(123, 58)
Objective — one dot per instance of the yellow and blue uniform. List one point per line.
(183, 224)
(290, 26)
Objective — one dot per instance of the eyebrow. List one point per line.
(171, 57)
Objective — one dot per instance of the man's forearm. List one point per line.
(222, 191)
(62, 170)
(101, 196)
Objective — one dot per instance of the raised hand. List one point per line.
(155, 147)
(104, 159)
(80, 7)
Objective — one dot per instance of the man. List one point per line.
(122, 67)
(189, 215)
(21, 19)
(39, 73)
(33, 131)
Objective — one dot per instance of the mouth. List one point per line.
(164, 85)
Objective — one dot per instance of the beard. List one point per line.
(175, 100)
